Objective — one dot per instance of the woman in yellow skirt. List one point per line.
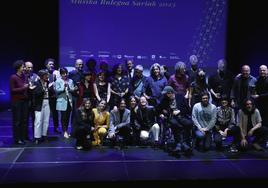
(101, 123)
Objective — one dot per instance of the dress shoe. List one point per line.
(20, 142)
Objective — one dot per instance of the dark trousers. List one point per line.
(81, 136)
(65, 117)
(73, 120)
(31, 115)
(20, 120)
(123, 136)
(54, 112)
(203, 138)
(234, 132)
(260, 135)
(182, 129)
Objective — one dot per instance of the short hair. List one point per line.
(48, 60)
(204, 93)
(17, 64)
(63, 70)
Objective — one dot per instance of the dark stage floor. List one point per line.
(58, 161)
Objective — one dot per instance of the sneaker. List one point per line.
(20, 142)
(233, 149)
(79, 147)
(66, 135)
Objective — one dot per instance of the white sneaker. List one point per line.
(66, 135)
(79, 147)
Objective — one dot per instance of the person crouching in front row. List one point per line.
(146, 122)
(250, 122)
(120, 131)
(101, 123)
(84, 124)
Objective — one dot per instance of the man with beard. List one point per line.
(204, 117)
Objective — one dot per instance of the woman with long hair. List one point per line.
(84, 123)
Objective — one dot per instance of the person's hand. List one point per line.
(176, 112)
(244, 142)
(111, 135)
(50, 84)
(203, 130)
(32, 87)
(218, 95)
(162, 116)
(255, 96)
(222, 133)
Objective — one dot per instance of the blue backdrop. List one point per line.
(162, 31)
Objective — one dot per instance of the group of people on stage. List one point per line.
(124, 107)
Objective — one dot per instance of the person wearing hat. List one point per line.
(41, 106)
(176, 114)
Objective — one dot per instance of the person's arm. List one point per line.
(194, 117)
(109, 92)
(190, 96)
(257, 116)
(96, 92)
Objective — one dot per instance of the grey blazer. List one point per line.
(115, 120)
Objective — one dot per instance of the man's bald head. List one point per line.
(79, 64)
(28, 67)
(245, 71)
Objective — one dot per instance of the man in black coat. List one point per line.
(176, 114)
